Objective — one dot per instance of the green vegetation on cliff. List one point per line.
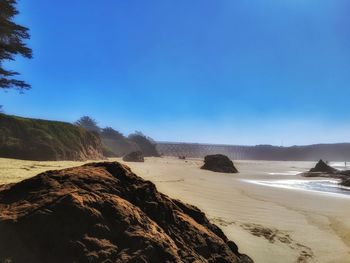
(34, 139)
(115, 144)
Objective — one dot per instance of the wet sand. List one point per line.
(270, 224)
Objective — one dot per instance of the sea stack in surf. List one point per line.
(102, 212)
(219, 163)
(136, 156)
(322, 167)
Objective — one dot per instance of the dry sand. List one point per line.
(269, 224)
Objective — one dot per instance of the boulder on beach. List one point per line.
(102, 212)
(322, 167)
(219, 163)
(136, 156)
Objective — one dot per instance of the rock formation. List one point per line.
(324, 170)
(322, 167)
(134, 157)
(219, 163)
(102, 212)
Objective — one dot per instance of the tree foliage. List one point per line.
(146, 144)
(111, 133)
(12, 37)
(116, 142)
(88, 123)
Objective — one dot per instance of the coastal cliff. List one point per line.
(43, 140)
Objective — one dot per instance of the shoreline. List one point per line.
(296, 184)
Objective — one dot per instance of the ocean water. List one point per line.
(340, 165)
(321, 185)
(286, 173)
(325, 186)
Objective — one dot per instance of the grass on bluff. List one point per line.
(35, 139)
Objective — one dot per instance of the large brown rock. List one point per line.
(102, 212)
(136, 156)
(219, 163)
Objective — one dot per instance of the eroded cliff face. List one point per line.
(42, 140)
(102, 212)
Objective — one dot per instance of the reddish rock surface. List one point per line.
(102, 212)
(219, 163)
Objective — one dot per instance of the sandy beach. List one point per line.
(270, 224)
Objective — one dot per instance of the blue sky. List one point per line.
(227, 71)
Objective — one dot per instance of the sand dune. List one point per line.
(269, 224)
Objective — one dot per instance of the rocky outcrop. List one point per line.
(219, 163)
(102, 212)
(42, 140)
(322, 167)
(134, 157)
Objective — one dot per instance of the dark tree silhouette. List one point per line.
(88, 123)
(111, 133)
(146, 144)
(12, 37)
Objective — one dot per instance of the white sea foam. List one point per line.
(286, 173)
(340, 165)
(324, 186)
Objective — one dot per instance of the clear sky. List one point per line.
(225, 71)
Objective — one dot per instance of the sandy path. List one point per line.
(269, 224)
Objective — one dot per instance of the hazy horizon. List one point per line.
(275, 72)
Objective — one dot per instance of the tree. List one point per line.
(110, 133)
(12, 37)
(146, 144)
(88, 123)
